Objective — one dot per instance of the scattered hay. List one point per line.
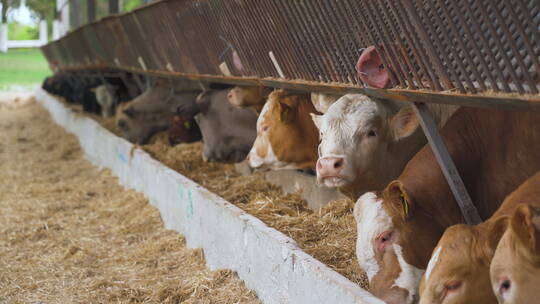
(328, 234)
(71, 234)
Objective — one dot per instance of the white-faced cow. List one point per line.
(286, 135)
(398, 228)
(366, 143)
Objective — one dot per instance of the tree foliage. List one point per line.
(6, 5)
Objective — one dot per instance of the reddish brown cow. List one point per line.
(183, 130)
(286, 135)
(458, 271)
(494, 151)
(515, 268)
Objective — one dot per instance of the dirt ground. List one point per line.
(70, 233)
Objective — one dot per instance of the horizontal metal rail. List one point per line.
(455, 47)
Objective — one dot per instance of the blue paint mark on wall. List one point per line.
(190, 205)
(121, 156)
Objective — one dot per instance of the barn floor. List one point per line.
(70, 233)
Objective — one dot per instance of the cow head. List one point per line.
(394, 241)
(286, 135)
(361, 140)
(228, 132)
(243, 96)
(458, 271)
(183, 130)
(136, 126)
(515, 268)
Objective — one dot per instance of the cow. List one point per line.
(107, 98)
(366, 143)
(286, 135)
(252, 97)
(322, 102)
(183, 130)
(494, 152)
(228, 132)
(458, 271)
(515, 267)
(151, 111)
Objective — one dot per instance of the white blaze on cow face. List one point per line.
(355, 134)
(371, 221)
(262, 154)
(433, 262)
(409, 277)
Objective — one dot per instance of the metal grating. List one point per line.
(463, 46)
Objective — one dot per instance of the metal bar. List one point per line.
(468, 210)
(429, 47)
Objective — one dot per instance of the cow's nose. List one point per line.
(330, 166)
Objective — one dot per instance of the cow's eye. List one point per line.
(265, 128)
(371, 133)
(383, 240)
(452, 286)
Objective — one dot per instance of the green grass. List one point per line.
(22, 68)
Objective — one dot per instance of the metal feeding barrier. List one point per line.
(454, 47)
(465, 52)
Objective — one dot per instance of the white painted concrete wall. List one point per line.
(270, 263)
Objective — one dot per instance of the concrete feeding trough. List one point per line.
(269, 262)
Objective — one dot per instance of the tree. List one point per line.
(42, 9)
(7, 4)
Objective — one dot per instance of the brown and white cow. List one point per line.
(151, 111)
(515, 268)
(399, 227)
(458, 271)
(228, 132)
(366, 143)
(252, 97)
(286, 135)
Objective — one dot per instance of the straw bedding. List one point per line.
(71, 234)
(328, 234)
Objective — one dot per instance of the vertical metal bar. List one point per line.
(528, 45)
(486, 48)
(445, 55)
(388, 46)
(404, 55)
(447, 165)
(428, 45)
(505, 57)
(415, 45)
(463, 48)
(517, 55)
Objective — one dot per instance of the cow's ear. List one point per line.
(525, 224)
(400, 199)
(286, 114)
(317, 120)
(496, 230)
(403, 123)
